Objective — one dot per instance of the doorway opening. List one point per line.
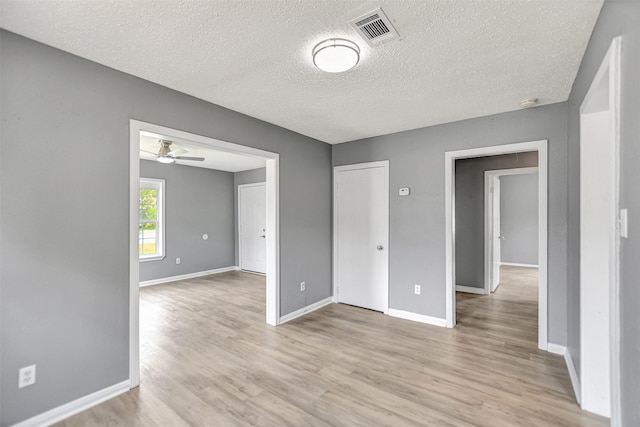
(271, 160)
(451, 231)
(600, 232)
(510, 222)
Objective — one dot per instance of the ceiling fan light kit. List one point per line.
(165, 155)
(165, 159)
(336, 55)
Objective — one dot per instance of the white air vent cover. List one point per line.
(374, 27)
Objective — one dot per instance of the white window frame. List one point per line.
(155, 184)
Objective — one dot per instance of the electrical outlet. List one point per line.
(177, 260)
(26, 376)
(416, 289)
(302, 286)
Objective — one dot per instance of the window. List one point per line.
(151, 220)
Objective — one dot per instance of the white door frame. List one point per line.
(450, 250)
(273, 223)
(336, 170)
(489, 177)
(604, 95)
(241, 186)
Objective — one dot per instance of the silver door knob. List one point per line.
(263, 236)
(380, 247)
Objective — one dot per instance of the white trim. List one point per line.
(489, 177)
(573, 374)
(470, 290)
(134, 259)
(515, 264)
(188, 276)
(239, 207)
(450, 158)
(336, 169)
(306, 310)
(83, 403)
(556, 349)
(408, 315)
(610, 67)
(272, 300)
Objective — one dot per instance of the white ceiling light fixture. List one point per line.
(336, 55)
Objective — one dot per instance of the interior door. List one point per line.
(496, 235)
(252, 215)
(362, 235)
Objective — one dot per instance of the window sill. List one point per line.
(151, 258)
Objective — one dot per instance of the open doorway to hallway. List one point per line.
(496, 219)
(453, 230)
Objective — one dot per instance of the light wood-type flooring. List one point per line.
(209, 359)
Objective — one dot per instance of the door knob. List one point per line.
(380, 247)
(263, 236)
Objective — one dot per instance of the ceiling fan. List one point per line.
(166, 155)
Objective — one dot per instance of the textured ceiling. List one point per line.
(213, 159)
(456, 59)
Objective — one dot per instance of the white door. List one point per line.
(252, 214)
(497, 235)
(361, 216)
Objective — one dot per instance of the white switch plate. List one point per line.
(177, 260)
(404, 191)
(26, 376)
(624, 223)
(302, 286)
(416, 289)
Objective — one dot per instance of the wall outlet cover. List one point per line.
(27, 376)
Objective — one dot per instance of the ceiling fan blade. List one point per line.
(148, 152)
(197, 159)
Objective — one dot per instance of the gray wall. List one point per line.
(197, 201)
(519, 218)
(239, 178)
(417, 222)
(65, 275)
(470, 211)
(617, 18)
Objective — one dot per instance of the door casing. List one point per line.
(450, 271)
(272, 304)
(600, 172)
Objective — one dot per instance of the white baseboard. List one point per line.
(188, 276)
(556, 349)
(573, 374)
(515, 264)
(62, 412)
(469, 289)
(436, 321)
(305, 310)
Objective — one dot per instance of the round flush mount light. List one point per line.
(336, 55)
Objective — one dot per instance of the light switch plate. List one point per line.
(624, 223)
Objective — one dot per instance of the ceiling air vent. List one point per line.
(374, 27)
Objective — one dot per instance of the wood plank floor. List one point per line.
(208, 359)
